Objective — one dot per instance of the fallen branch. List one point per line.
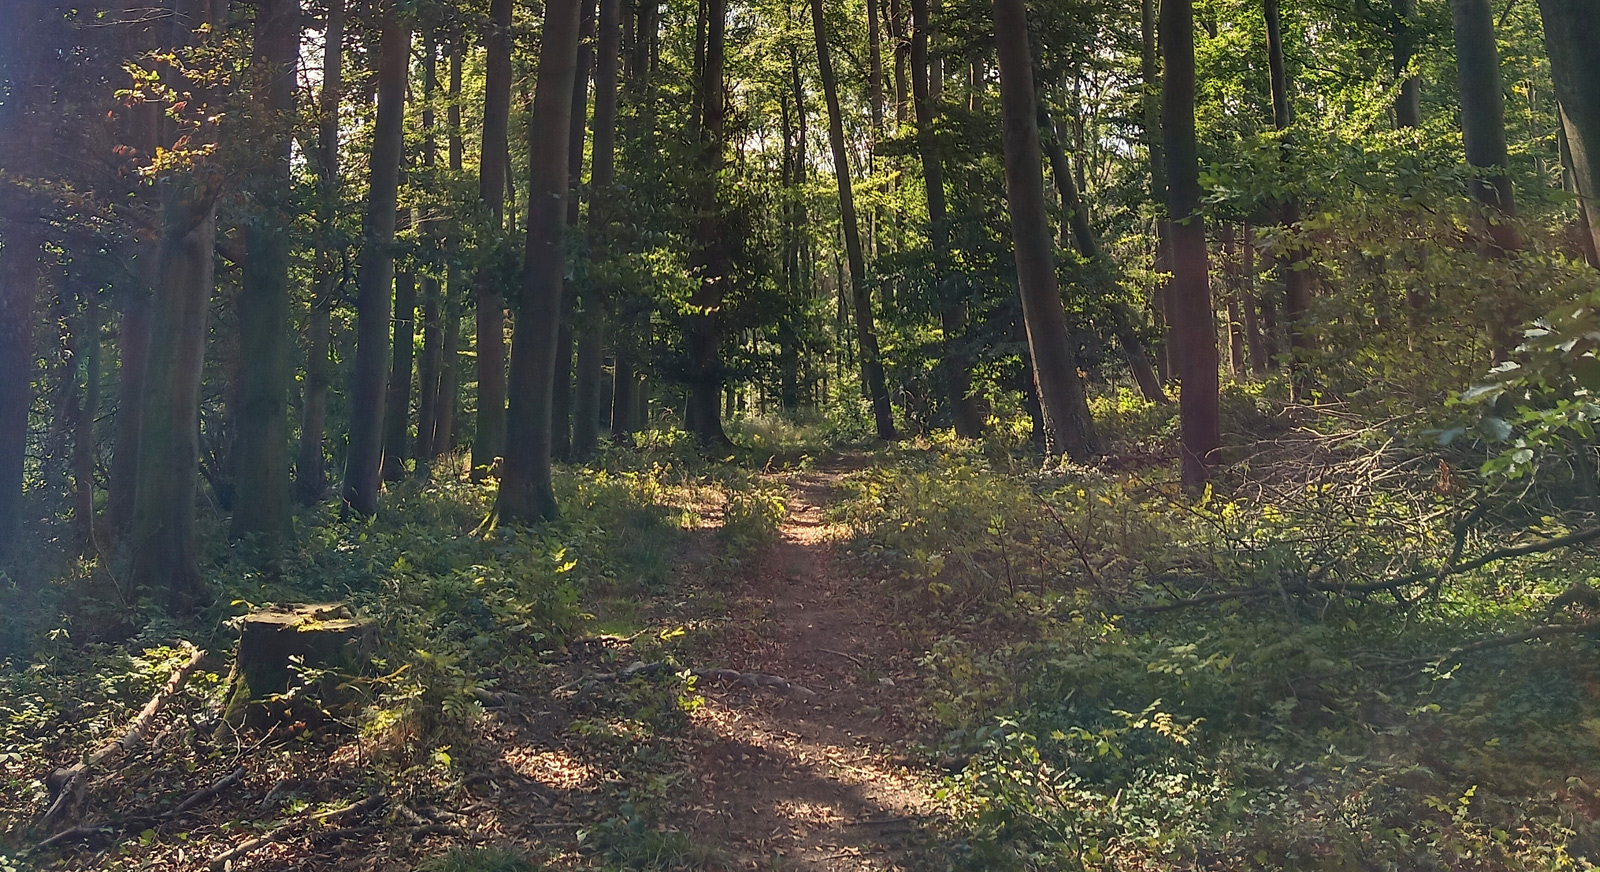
(122, 825)
(1435, 577)
(68, 784)
(1507, 640)
(220, 862)
(748, 679)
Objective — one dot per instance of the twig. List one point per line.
(850, 657)
(69, 783)
(749, 679)
(220, 862)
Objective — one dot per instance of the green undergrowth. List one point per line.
(1107, 725)
(460, 613)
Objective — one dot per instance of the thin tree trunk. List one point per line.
(602, 184)
(1194, 329)
(375, 279)
(1571, 35)
(526, 492)
(493, 181)
(874, 68)
(445, 404)
(954, 363)
(866, 336)
(902, 59)
(1069, 428)
(397, 402)
(261, 447)
(311, 475)
(588, 323)
(710, 260)
(1408, 101)
(1076, 222)
(432, 329)
(1155, 148)
(1292, 265)
(1483, 133)
(83, 442)
(1259, 359)
(20, 270)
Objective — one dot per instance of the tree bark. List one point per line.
(526, 492)
(1075, 219)
(397, 400)
(375, 279)
(1194, 329)
(1292, 263)
(493, 179)
(1571, 34)
(311, 475)
(1483, 118)
(87, 346)
(432, 293)
(20, 269)
(866, 335)
(1155, 150)
(1408, 101)
(1069, 428)
(709, 261)
(955, 365)
(261, 448)
(1259, 359)
(445, 406)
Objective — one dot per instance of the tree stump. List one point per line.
(289, 661)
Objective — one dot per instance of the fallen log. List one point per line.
(67, 785)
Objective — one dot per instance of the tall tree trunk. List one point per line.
(875, 68)
(602, 187)
(1070, 429)
(20, 270)
(1259, 359)
(375, 279)
(83, 442)
(1403, 33)
(866, 336)
(1194, 329)
(261, 448)
(397, 399)
(311, 475)
(709, 260)
(954, 363)
(1075, 216)
(587, 324)
(902, 58)
(1155, 149)
(432, 293)
(1483, 133)
(1292, 265)
(445, 406)
(1571, 34)
(526, 492)
(493, 180)
(1232, 272)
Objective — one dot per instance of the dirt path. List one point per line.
(819, 783)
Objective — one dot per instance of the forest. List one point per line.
(1014, 435)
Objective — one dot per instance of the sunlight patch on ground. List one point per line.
(555, 769)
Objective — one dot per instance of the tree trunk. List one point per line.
(866, 336)
(1571, 34)
(526, 492)
(1194, 329)
(709, 260)
(375, 279)
(874, 68)
(902, 59)
(1292, 263)
(1069, 428)
(1408, 102)
(1155, 149)
(397, 401)
(1259, 359)
(1231, 290)
(20, 269)
(587, 323)
(432, 329)
(445, 405)
(602, 186)
(493, 180)
(954, 364)
(261, 449)
(83, 443)
(311, 475)
(1076, 221)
